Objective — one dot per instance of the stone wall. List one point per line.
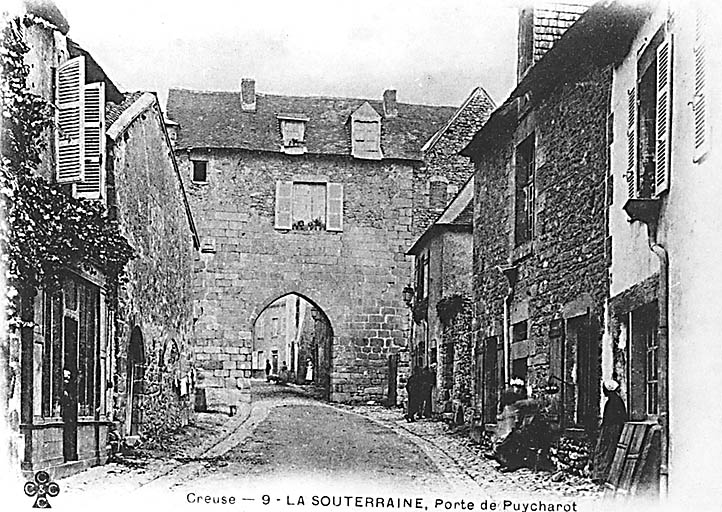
(443, 160)
(157, 295)
(355, 276)
(562, 273)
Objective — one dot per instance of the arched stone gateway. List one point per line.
(292, 341)
(364, 318)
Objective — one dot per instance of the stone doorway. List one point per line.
(136, 374)
(293, 332)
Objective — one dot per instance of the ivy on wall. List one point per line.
(448, 307)
(49, 229)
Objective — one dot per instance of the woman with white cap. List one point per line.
(615, 414)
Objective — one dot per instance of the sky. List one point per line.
(433, 52)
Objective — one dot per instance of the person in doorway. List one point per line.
(613, 418)
(309, 371)
(69, 414)
(268, 370)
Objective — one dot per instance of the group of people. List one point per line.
(284, 375)
(419, 386)
(523, 434)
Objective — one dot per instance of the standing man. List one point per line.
(268, 370)
(429, 380)
(69, 414)
(412, 390)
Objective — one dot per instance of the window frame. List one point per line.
(524, 190)
(285, 199)
(77, 303)
(194, 163)
(648, 133)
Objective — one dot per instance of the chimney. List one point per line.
(248, 94)
(390, 107)
(541, 25)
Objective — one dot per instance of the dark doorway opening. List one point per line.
(136, 374)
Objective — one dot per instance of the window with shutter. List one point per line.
(284, 204)
(664, 116)
(91, 186)
(699, 103)
(650, 116)
(334, 207)
(309, 206)
(631, 174)
(70, 120)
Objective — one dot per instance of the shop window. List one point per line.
(72, 329)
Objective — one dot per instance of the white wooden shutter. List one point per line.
(69, 132)
(334, 207)
(93, 142)
(284, 202)
(664, 116)
(631, 175)
(699, 103)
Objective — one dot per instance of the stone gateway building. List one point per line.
(309, 196)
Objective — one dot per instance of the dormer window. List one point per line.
(366, 133)
(293, 132)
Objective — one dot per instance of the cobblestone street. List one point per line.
(283, 443)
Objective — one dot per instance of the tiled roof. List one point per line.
(215, 119)
(114, 110)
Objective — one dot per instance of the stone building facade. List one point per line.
(540, 233)
(303, 195)
(444, 173)
(442, 307)
(89, 325)
(152, 330)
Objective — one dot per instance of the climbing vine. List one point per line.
(49, 229)
(448, 307)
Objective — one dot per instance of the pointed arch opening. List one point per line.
(292, 341)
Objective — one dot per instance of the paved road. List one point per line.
(284, 447)
(304, 443)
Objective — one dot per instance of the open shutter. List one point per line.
(699, 103)
(69, 133)
(631, 175)
(284, 202)
(664, 116)
(93, 142)
(334, 207)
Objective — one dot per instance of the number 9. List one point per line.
(266, 499)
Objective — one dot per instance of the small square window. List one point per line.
(200, 171)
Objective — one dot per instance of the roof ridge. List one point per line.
(310, 96)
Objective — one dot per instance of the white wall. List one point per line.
(691, 231)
